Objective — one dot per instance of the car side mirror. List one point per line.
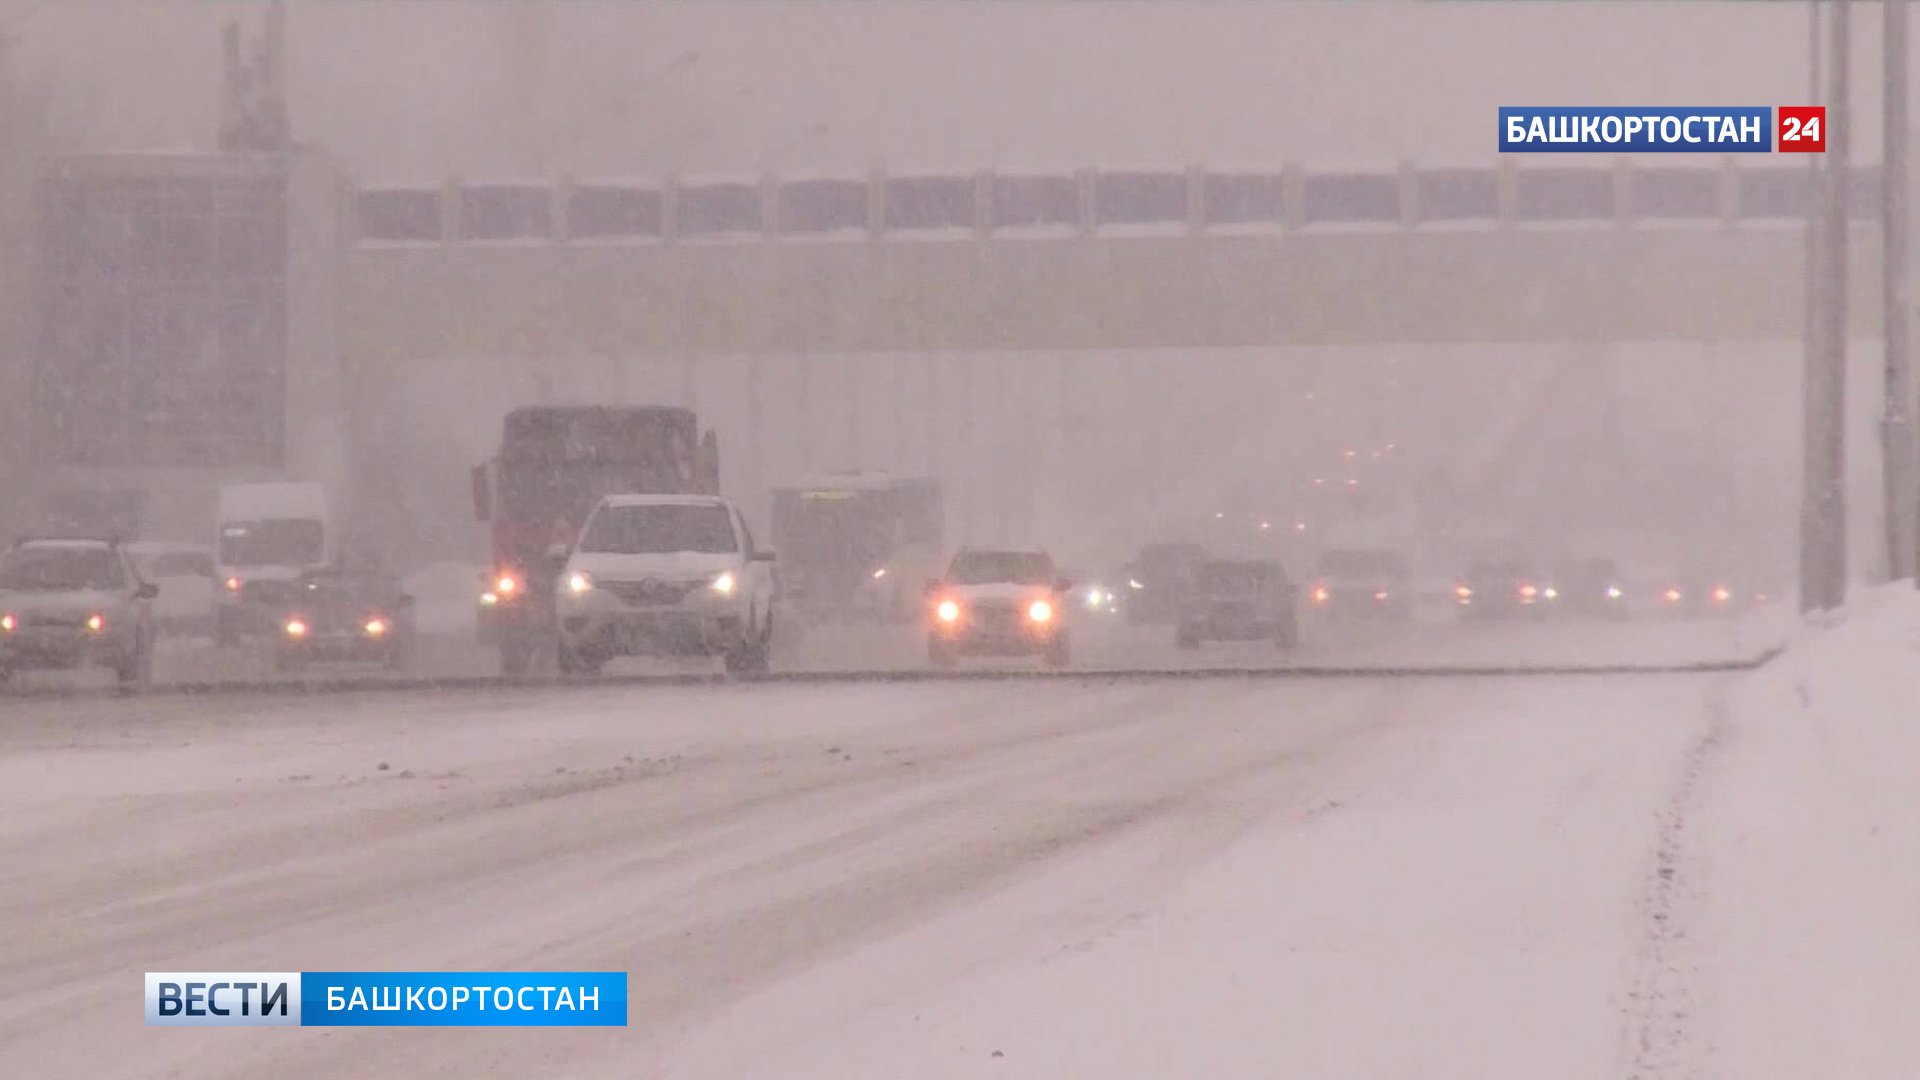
(147, 591)
(1063, 585)
(933, 587)
(557, 556)
(763, 555)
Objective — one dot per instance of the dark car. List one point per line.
(1240, 601)
(344, 616)
(1702, 592)
(1159, 582)
(998, 603)
(1360, 583)
(1504, 589)
(1591, 588)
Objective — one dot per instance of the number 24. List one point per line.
(1798, 129)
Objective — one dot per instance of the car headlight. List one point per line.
(296, 628)
(1040, 611)
(948, 611)
(880, 573)
(1134, 585)
(506, 585)
(1613, 592)
(9, 623)
(724, 584)
(375, 627)
(488, 599)
(579, 582)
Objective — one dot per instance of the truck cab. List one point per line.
(266, 535)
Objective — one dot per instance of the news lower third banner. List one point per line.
(1747, 129)
(386, 998)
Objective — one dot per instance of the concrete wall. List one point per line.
(1512, 285)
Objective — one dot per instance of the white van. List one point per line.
(265, 536)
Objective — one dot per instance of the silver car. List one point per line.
(75, 603)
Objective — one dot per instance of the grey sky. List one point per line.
(413, 89)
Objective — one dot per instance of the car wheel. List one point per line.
(399, 653)
(515, 657)
(747, 658)
(135, 665)
(1059, 652)
(940, 654)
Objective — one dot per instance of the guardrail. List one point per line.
(1096, 202)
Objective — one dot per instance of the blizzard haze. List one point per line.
(1147, 547)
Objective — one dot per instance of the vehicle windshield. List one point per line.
(537, 490)
(1359, 563)
(178, 564)
(272, 542)
(1001, 567)
(1501, 569)
(59, 569)
(1235, 577)
(660, 530)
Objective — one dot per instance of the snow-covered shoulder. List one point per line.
(1809, 927)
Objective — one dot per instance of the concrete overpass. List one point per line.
(1094, 259)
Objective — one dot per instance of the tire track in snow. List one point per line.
(1661, 1041)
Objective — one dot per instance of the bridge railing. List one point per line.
(1093, 202)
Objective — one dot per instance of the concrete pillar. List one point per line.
(1409, 188)
(1293, 197)
(876, 203)
(1084, 181)
(450, 209)
(1730, 190)
(769, 206)
(319, 426)
(983, 204)
(1196, 200)
(1623, 178)
(559, 199)
(670, 209)
(1506, 193)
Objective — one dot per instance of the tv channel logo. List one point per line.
(1745, 129)
(386, 998)
(223, 998)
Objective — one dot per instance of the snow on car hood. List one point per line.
(679, 565)
(79, 602)
(1001, 590)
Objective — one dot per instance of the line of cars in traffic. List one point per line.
(1205, 597)
(79, 602)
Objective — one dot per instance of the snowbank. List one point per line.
(1805, 919)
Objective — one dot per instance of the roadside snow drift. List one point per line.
(1805, 917)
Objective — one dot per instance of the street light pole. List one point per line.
(1812, 541)
(1896, 424)
(1833, 373)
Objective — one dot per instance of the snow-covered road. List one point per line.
(1095, 877)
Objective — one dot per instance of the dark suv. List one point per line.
(1240, 601)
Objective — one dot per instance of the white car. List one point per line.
(185, 575)
(664, 575)
(75, 603)
(999, 603)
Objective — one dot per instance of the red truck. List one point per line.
(554, 464)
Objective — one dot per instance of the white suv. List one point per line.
(664, 575)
